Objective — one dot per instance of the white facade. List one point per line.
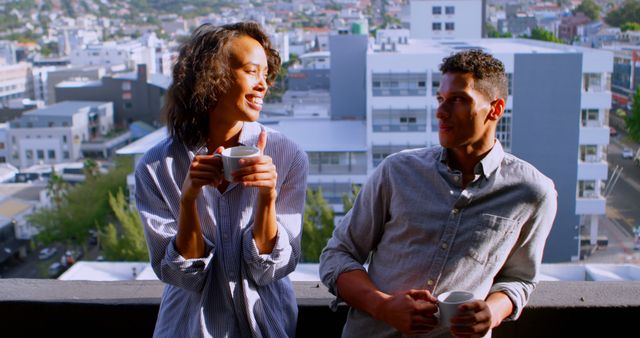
(116, 56)
(55, 134)
(14, 82)
(446, 19)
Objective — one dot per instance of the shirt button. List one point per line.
(444, 246)
(430, 282)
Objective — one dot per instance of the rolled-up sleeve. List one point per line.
(266, 268)
(519, 275)
(358, 232)
(160, 229)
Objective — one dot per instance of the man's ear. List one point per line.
(497, 109)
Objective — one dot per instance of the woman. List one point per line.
(223, 248)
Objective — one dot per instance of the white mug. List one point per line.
(231, 157)
(448, 303)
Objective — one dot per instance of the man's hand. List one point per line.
(474, 320)
(411, 312)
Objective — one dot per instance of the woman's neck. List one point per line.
(225, 135)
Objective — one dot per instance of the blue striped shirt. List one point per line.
(233, 291)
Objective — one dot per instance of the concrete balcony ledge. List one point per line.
(33, 308)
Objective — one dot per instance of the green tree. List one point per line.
(90, 169)
(633, 118)
(56, 188)
(492, 32)
(590, 8)
(84, 207)
(317, 225)
(543, 35)
(629, 11)
(630, 26)
(127, 244)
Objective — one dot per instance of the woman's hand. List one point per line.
(258, 171)
(204, 169)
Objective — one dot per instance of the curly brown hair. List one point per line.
(488, 72)
(202, 74)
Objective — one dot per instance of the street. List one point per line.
(623, 210)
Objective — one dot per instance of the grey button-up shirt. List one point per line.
(233, 291)
(425, 231)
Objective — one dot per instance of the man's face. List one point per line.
(249, 70)
(463, 113)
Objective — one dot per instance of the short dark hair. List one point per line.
(201, 74)
(488, 72)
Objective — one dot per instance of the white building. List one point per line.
(446, 19)
(55, 134)
(401, 107)
(15, 82)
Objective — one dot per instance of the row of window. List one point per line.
(8, 88)
(437, 26)
(410, 84)
(51, 154)
(437, 10)
(64, 138)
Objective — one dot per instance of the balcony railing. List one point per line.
(34, 308)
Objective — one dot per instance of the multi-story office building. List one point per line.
(555, 118)
(55, 134)
(136, 96)
(447, 19)
(626, 72)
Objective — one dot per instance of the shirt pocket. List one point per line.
(490, 238)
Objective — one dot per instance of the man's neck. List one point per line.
(465, 159)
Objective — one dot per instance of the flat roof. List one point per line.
(145, 143)
(10, 208)
(491, 45)
(64, 108)
(324, 134)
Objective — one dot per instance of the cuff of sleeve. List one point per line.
(279, 249)
(194, 265)
(333, 288)
(516, 300)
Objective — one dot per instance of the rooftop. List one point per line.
(65, 108)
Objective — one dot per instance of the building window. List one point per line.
(449, 10)
(592, 82)
(399, 120)
(449, 26)
(589, 153)
(503, 130)
(64, 139)
(65, 155)
(380, 152)
(40, 154)
(3, 159)
(65, 124)
(399, 84)
(436, 10)
(510, 81)
(587, 189)
(127, 105)
(436, 26)
(1, 145)
(29, 154)
(435, 83)
(51, 124)
(590, 118)
(51, 154)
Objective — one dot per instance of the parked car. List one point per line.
(47, 253)
(55, 269)
(627, 153)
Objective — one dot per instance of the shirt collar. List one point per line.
(487, 165)
(249, 133)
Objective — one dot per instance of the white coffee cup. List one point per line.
(232, 156)
(448, 303)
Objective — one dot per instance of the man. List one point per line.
(463, 216)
